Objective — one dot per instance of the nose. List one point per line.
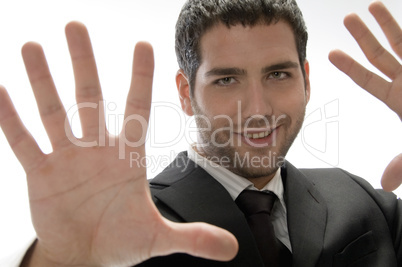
(256, 101)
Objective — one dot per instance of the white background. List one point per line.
(345, 126)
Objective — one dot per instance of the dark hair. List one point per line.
(198, 16)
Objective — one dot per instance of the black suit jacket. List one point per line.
(334, 218)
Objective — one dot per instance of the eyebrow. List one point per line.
(280, 66)
(238, 71)
(225, 72)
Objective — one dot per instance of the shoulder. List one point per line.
(338, 183)
(339, 179)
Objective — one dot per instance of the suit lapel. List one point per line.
(307, 215)
(197, 197)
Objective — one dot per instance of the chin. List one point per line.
(254, 165)
(255, 173)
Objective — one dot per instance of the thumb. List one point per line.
(392, 177)
(201, 240)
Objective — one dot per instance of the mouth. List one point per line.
(259, 137)
(257, 134)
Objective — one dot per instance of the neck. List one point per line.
(260, 182)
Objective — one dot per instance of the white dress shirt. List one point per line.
(235, 184)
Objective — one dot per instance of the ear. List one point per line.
(307, 80)
(183, 87)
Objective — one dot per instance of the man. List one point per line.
(246, 80)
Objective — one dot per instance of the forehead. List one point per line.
(248, 44)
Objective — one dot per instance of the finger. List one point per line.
(369, 81)
(200, 240)
(21, 142)
(51, 109)
(389, 26)
(392, 177)
(370, 46)
(140, 95)
(88, 89)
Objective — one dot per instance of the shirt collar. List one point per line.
(232, 182)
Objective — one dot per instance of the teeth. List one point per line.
(258, 135)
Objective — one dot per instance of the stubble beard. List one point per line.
(212, 149)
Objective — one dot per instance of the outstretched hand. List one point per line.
(388, 92)
(88, 205)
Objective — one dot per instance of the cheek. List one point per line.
(216, 105)
(291, 104)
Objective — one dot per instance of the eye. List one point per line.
(278, 75)
(225, 81)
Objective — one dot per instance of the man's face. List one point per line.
(249, 97)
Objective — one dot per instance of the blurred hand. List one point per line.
(89, 206)
(388, 92)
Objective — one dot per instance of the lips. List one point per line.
(257, 135)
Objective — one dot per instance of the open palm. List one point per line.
(89, 206)
(388, 92)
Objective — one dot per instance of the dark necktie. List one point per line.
(257, 207)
